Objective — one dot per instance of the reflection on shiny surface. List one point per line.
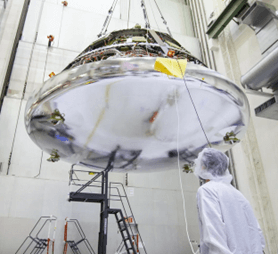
(88, 111)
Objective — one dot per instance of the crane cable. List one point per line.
(128, 14)
(163, 19)
(194, 106)
(178, 133)
(154, 16)
(181, 186)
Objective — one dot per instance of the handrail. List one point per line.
(124, 208)
(73, 181)
(89, 182)
(36, 239)
(72, 170)
(50, 219)
(125, 195)
(112, 185)
(82, 234)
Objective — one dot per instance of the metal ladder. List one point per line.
(118, 194)
(74, 244)
(121, 221)
(104, 198)
(37, 244)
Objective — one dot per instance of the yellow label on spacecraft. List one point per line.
(172, 67)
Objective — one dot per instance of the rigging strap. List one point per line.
(108, 19)
(147, 25)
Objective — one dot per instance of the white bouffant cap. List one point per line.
(212, 164)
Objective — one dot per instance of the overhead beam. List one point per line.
(232, 9)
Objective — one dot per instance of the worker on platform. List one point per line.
(227, 222)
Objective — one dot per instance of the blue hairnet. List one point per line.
(212, 164)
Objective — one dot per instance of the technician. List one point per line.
(227, 222)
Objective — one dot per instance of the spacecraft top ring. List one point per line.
(126, 92)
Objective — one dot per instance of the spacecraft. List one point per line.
(136, 91)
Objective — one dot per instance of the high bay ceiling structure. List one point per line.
(137, 91)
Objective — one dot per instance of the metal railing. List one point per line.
(74, 244)
(38, 243)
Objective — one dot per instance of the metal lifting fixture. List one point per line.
(147, 22)
(108, 19)
(146, 18)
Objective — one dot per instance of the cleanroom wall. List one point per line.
(236, 52)
(29, 185)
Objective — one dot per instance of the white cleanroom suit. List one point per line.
(227, 222)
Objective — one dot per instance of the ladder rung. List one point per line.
(113, 211)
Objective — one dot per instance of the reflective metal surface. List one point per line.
(86, 112)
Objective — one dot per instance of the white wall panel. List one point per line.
(164, 201)
(36, 70)
(7, 193)
(50, 23)
(154, 180)
(136, 13)
(79, 29)
(117, 24)
(243, 46)
(13, 232)
(267, 136)
(57, 60)
(143, 198)
(190, 43)
(27, 199)
(8, 31)
(88, 211)
(26, 156)
(52, 1)
(190, 182)
(187, 21)
(32, 20)
(210, 8)
(173, 13)
(54, 170)
(20, 70)
(95, 7)
(163, 180)
(54, 196)
(191, 212)
(8, 121)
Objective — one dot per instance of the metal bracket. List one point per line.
(232, 9)
(159, 41)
